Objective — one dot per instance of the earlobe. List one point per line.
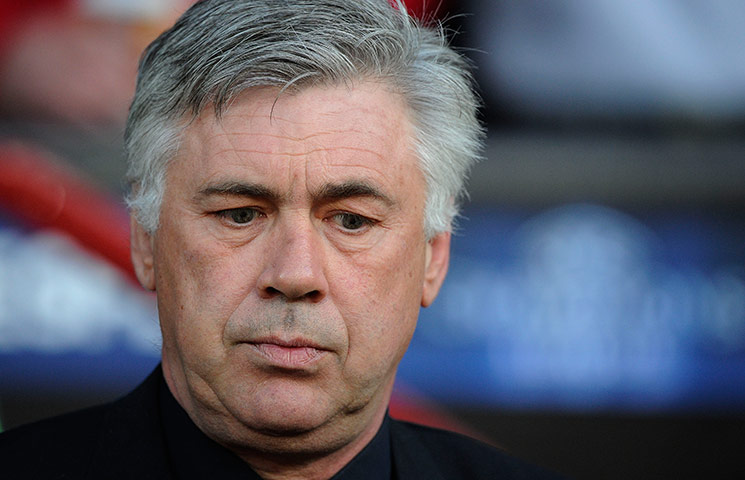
(438, 258)
(141, 247)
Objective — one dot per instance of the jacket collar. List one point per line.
(133, 425)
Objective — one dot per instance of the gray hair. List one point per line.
(220, 48)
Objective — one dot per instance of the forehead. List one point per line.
(317, 132)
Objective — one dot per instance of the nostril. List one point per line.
(271, 291)
(313, 296)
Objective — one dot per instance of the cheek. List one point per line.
(380, 303)
(208, 277)
(197, 292)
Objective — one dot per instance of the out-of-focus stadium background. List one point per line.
(593, 320)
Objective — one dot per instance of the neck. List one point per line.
(318, 466)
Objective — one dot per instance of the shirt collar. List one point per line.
(374, 461)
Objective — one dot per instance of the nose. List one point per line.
(294, 265)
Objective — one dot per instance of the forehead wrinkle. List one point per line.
(253, 134)
(299, 154)
(230, 137)
(369, 133)
(298, 122)
(300, 138)
(224, 134)
(232, 150)
(263, 116)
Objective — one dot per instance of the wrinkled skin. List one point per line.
(290, 264)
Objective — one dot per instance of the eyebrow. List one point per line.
(351, 189)
(329, 192)
(238, 189)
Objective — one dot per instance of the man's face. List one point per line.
(290, 264)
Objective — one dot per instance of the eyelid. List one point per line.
(224, 216)
(367, 222)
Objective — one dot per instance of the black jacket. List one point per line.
(124, 440)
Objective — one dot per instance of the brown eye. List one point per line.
(241, 216)
(350, 221)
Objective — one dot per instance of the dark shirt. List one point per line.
(193, 455)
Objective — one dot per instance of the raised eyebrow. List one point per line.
(351, 189)
(237, 189)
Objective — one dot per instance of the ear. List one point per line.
(438, 258)
(141, 247)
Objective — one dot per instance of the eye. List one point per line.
(351, 221)
(239, 216)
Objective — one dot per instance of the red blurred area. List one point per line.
(426, 9)
(14, 14)
(41, 193)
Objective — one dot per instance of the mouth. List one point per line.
(292, 355)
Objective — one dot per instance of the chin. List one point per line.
(279, 409)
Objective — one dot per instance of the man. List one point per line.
(295, 169)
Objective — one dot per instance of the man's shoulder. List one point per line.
(63, 441)
(84, 443)
(434, 453)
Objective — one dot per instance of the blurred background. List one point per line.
(593, 320)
